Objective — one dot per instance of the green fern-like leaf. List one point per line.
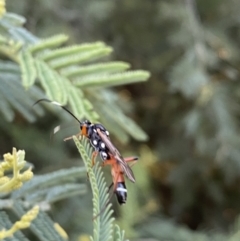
(54, 86)
(102, 223)
(5, 109)
(113, 80)
(11, 28)
(13, 95)
(7, 89)
(70, 50)
(48, 43)
(118, 234)
(5, 223)
(95, 69)
(79, 106)
(14, 19)
(42, 226)
(51, 181)
(56, 193)
(28, 69)
(119, 120)
(80, 58)
(67, 75)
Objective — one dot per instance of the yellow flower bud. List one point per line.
(2, 234)
(27, 218)
(21, 224)
(4, 180)
(31, 214)
(17, 185)
(8, 157)
(60, 230)
(27, 175)
(2, 7)
(84, 237)
(6, 165)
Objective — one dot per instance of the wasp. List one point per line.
(100, 140)
(119, 186)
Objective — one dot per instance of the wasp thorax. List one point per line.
(95, 142)
(102, 145)
(92, 132)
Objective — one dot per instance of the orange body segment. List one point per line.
(84, 131)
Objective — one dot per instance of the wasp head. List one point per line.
(84, 126)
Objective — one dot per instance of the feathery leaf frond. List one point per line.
(103, 222)
(6, 224)
(27, 68)
(13, 95)
(54, 86)
(52, 180)
(42, 226)
(56, 193)
(14, 19)
(118, 234)
(80, 58)
(95, 69)
(113, 79)
(49, 43)
(24, 222)
(68, 74)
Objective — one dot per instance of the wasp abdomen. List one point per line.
(121, 193)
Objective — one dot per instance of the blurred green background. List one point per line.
(189, 169)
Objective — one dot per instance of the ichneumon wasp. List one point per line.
(100, 140)
(119, 187)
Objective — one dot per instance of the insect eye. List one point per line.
(87, 122)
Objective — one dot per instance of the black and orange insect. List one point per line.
(119, 186)
(100, 140)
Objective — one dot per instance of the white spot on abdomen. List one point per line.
(121, 189)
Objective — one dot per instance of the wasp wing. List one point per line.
(116, 154)
(126, 169)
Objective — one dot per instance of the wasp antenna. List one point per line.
(58, 104)
(47, 100)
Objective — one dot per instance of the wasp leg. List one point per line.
(68, 138)
(71, 137)
(131, 159)
(94, 155)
